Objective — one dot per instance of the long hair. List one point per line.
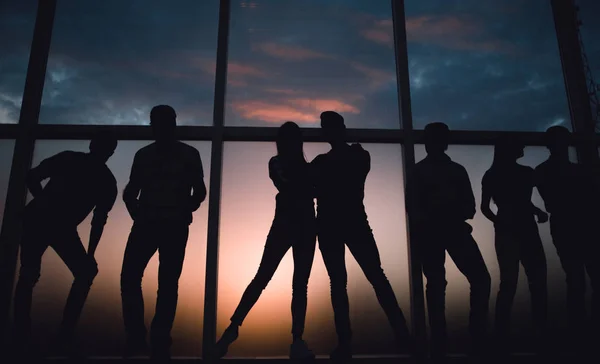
(289, 142)
(506, 151)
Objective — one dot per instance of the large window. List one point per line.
(6, 156)
(111, 61)
(248, 205)
(477, 160)
(101, 327)
(485, 65)
(17, 20)
(290, 60)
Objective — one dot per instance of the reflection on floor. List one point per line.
(457, 359)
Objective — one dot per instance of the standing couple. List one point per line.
(337, 180)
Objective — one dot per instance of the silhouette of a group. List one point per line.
(166, 186)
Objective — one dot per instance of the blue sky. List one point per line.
(474, 64)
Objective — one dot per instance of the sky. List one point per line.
(247, 208)
(474, 64)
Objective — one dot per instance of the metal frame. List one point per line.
(28, 131)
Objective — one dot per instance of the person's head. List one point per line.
(103, 145)
(558, 139)
(163, 123)
(289, 141)
(436, 138)
(334, 129)
(507, 150)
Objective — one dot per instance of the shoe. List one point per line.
(229, 336)
(299, 350)
(341, 353)
(135, 348)
(160, 354)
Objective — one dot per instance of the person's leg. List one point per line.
(592, 265)
(433, 258)
(171, 253)
(84, 269)
(32, 249)
(533, 259)
(363, 247)
(566, 239)
(278, 243)
(304, 252)
(333, 249)
(507, 252)
(468, 259)
(140, 248)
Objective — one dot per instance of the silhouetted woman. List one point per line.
(293, 227)
(510, 186)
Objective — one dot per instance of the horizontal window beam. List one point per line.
(269, 134)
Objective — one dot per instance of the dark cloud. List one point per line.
(475, 64)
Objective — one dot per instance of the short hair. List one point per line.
(163, 112)
(104, 140)
(436, 130)
(331, 119)
(556, 132)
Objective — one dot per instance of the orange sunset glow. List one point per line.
(247, 207)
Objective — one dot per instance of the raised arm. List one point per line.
(133, 188)
(46, 169)
(103, 206)
(198, 186)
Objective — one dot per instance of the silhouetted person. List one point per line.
(165, 187)
(342, 221)
(568, 195)
(293, 227)
(78, 183)
(510, 186)
(441, 202)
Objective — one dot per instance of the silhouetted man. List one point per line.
(569, 198)
(441, 202)
(166, 185)
(342, 221)
(78, 183)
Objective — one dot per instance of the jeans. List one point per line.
(67, 244)
(520, 245)
(357, 235)
(576, 243)
(169, 238)
(434, 240)
(286, 232)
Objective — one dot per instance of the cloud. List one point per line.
(303, 110)
(453, 32)
(289, 53)
(378, 78)
(381, 31)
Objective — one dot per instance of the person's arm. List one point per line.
(46, 169)
(276, 174)
(198, 186)
(468, 198)
(103, 207)
(540, 184)
(415, 202)
(133, 188)
(486, 198)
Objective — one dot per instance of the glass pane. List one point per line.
(101, 325)
(111, 61)
(291, 60)
(485, 65)
(248, 205)
(6, 156)
(17, 20)
(477, 160)
(590, 30)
